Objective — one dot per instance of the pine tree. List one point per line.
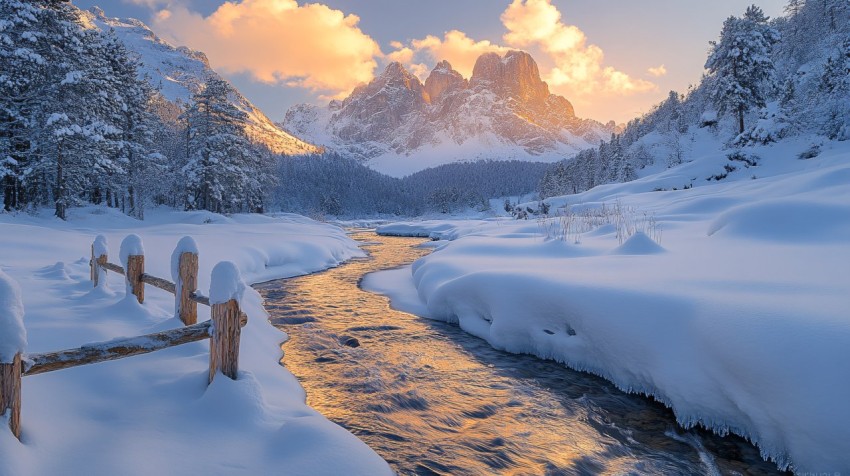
(740, 64)
(225, 172)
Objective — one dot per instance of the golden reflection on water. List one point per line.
(431, 399)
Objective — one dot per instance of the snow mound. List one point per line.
(13, 335)
(639, 244)
(787, 221)
(226, 283)
(57, 271)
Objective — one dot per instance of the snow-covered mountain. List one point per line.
(179, 71)
(398, 125)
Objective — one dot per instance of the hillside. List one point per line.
(179, 72)
(799, 99)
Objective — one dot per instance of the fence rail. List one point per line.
(223, 329)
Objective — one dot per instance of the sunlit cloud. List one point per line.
(579, 67)
(567, 61)
(658, 71)
(456, 48)
(278, 41)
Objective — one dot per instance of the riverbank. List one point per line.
(730, 307)
(430, 398)
(154, 413)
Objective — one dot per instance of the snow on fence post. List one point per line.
(184, 272)
(226, 288)
(13, 341)
(133, 260)
(99, 257)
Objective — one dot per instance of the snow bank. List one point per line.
(739, 323)
(226, 283)
(434, 229)
(13, 335)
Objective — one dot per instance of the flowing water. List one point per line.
(431, 399)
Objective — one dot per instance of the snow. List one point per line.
(226, 283)
(445, 150)
(154, 413)
(638, 244)
(185, 245)
(737, 320)
(100, 246)
(13, 335)
(130, 246)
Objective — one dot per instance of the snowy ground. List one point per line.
(738, 319)
(153, 414)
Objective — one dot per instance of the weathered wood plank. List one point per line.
(160, 283)
(113, 267)
(118, 348)
(10, 393)
(200, 298)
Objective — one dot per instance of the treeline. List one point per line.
(331, 184)
(79, 125)
(766, 79)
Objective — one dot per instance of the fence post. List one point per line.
(99, 251)
(224, 343)
(186, 280)
(10, 393)
(135, 270)
(133, 259)
(226, 288)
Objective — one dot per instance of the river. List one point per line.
(431, 399)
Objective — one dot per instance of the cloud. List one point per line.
(658, 71)
(278, 41)
(579, 67)
(569, 64)
(456, 48)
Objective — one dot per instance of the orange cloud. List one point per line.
(278, 41)
(569, 64)
(579, 67)
(456, 48)
(658, 71)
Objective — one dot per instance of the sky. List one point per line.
(613, 59)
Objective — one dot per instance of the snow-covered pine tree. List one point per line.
(72, 134)
(835, 87)
(137, 165)
(24, 55)
(224, 172)
(740, 65)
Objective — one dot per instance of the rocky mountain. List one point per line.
(179, 71)
(398, 125)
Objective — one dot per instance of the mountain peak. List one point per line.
(505, 110)
(514, 75)
(443, 80)
(395, 69)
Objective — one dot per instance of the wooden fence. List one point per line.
(223, 329)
